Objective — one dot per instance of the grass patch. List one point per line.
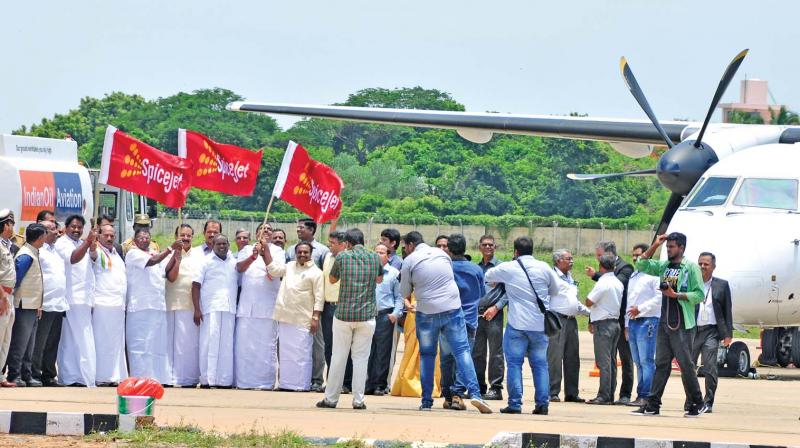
(191, 436)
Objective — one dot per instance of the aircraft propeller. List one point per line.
(682, 165)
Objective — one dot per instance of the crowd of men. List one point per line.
(90, 312)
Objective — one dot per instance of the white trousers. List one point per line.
(216, 348)
(6, 324)
(77, 356)
(146, 336)
(294, 352)
(108, 323)
(355, 339)
(256, 353)
(183, 347)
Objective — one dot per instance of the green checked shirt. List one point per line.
(357, 270)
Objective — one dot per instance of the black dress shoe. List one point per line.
(623, 401)
(540, 410)
(555, 399)
(360, 406)
(510, 410)
(599, 400)
(33, 383)
(493, 394)
(369, 392)
(345, 390)
(575, 399)
(317, 388)
(76, 385)
(324, 404)
(51, 383)
(379, 392)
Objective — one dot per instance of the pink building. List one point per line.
(752, 98)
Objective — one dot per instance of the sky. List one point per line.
(528, 57)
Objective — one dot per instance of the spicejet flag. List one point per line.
(218, 166)
(138, 167)
(309, 186)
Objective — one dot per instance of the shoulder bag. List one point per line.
(552, 323)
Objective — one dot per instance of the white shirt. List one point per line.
(643, 293)
(566, 301)
(523, 310)
(145, 283)
(606, 297)
(429, 272)
(218, 281)
(111, 283)
(55, 280)
(179, 292)
(80, 278)
(705, 312)
(259, 289)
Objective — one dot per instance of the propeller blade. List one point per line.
(633, 86)
(669, 211)
(723, 85)
(574, 176)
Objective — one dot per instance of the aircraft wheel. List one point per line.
(796, 347)
(783, 348)
(739, 358)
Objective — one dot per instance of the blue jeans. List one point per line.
(642, 339)
(447, 364)
(516, 345)
(451, 325)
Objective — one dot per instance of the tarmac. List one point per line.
(747, 411)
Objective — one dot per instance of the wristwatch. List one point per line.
(314, 317)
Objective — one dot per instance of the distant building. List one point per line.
(752, 99)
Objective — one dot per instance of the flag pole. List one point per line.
(266, 217)
(96, 200)
(180, 215)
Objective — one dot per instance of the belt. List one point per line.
(8, 290)
(564, 315)
(385, 311)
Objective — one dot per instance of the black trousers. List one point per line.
(706, 345)
(675, 344)
(626, 359)
(489, 336)
(20, 353)
(326, 322)
(605, 338)
(381, 351)
(45, 348)
(563, 351)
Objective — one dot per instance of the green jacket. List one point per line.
(690, 282)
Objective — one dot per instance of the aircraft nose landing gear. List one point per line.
(735, 360)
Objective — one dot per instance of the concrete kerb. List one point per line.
(79, 424)
(543, 440)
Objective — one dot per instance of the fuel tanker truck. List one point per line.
(44, 174)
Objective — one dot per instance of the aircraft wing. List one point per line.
(479, 127)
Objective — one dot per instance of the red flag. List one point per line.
(138, 167)
(309, 186)
(218, 166)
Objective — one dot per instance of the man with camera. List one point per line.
(682, 289)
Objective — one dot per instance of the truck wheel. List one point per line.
(739, 358)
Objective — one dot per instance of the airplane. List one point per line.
(734, 193)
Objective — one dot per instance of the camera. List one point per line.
(663, 286)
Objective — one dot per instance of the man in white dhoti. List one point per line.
(76, 352)
(183, 335)
(256, 347)
(108, 316)
(146, 323)
(214, 298)
(297, 310)
(48, 331)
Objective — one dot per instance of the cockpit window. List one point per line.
(768, 193)
(714, 191)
